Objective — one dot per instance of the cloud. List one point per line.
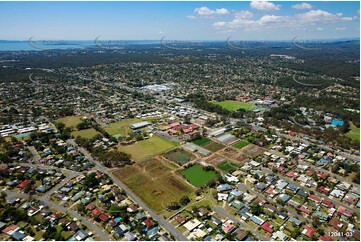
(204, 11)
(191, 17)
(264, 5)
(311, 17)
(320, 29)
(302, 6)
(243, 14)
(340, 29)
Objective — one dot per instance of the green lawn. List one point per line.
(354, 133)
(227, 166)
(148, 147)
(197, 176)
(85, 133)
(235, 105)
(121, 127)
(202, 141)
(240, 144)
(70, 121)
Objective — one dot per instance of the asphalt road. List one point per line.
(35, 154)
(162, 221)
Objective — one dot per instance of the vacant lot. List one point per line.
(252, 150)
(197, 176)
(240, 144)
(179, 156)
(213, 146)
(227, 166)
(354, 133)
(154, 182)
(86, 133)
(70, 121)
(236, 105)
(144, 148)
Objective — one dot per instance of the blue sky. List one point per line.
(179, 20)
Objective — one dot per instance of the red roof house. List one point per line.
(267, 227)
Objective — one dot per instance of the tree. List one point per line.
(184, 200)
(256, 209)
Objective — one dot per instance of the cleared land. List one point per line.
(236, 105)
(240, 144)
(154, 182)
(227, 166)
(252, 150)
(197, 176)
(70, 121)
(213, 146)
(179, 156)
(86, 133)
(152, 146)
(354, 133)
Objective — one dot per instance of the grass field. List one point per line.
(240, 144)
(152, 146)
(85, 133)
(202, 141)
(179, 156)
(154, 183)
(227, 166)
(235, 105)
(121, 127)
(197, 176)
(354, 133)
(70, 121)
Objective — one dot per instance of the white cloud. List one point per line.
(302, 6)
(243, 14)
(340, 29)
(191, 17)
(311, 17)
(264, 5)
(221, 11)
(320, 29)
(204, 11)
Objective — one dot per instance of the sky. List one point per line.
(248, 20)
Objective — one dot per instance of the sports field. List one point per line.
(70, 121)
(235, 105)
(354, 133)
(153, 181)
(240, 144)
(144, 148)
(227, 166)
(197, 176)
(85, 133)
